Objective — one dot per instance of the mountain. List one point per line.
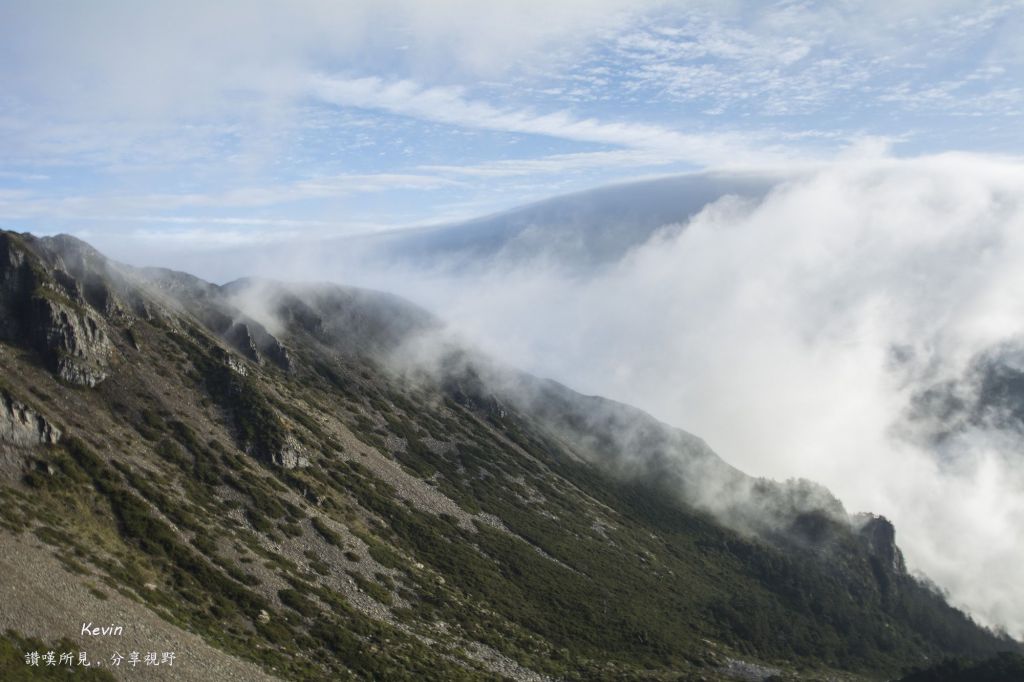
(308, 481)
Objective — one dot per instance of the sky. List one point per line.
(790, 331)
(210, 124)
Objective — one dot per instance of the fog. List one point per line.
(791, 333)
(789, 329)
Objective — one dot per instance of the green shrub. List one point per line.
(296, 601)
(321, 527)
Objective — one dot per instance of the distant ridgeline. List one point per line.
(319, 486)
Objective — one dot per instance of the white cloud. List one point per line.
(153, 59)
(768, 329)
(449, 105)
(561, 163)
(804, 58)
(173, 100)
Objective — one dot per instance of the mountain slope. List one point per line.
(314, 481)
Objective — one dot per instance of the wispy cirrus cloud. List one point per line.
(789, 59)
(451, 106)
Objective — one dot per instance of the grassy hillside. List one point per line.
(279, 488)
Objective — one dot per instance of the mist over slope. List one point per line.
(317, 481)
(799, 329)
(797, 333)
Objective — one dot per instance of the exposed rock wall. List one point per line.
(42, 307)
(73, 342)
(291, 455)
(22, 426)
(879, 536)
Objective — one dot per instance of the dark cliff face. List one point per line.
(22, 426)
(44, 309)
(879, 535)
(272, 467)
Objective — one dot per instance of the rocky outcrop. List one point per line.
(239, 338)
(275, 351)
(42, 308)
(879, 537)
(91, 274)
(217, 313)
(291, 455)
(72, 341)
(22, 426)
(16, 278)
(252, 341)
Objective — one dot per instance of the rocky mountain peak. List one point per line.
(879, 536)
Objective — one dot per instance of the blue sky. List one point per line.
(256, 121)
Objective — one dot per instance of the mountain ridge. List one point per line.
(351, 497)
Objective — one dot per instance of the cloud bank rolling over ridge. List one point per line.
(793, 334)
(792, 320)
